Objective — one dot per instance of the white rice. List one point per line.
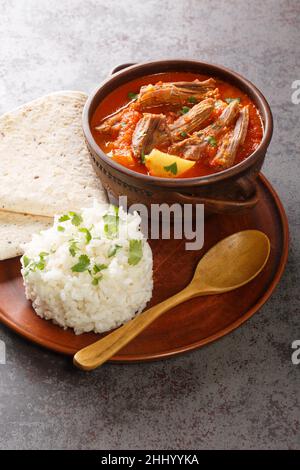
(70, 298)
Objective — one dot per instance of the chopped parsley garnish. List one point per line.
(184, 109)
(73, 248)
(82, 265)
(111, 226)
(87, 233)
(172, 168)
(113, 250)
(143, 156)
(63, 218)
(211, 140)
(110, 230)
(135, 252)
(26, 261)
(132, 96)
(96, 280)
(218, 104)
(192, 99)
(76, 218)
(99, 267)
(230, 100)
(40, 265)
(31, 265)
(123, 124)
(60, 228)
(183, 134)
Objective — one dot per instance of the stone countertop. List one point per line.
(240, 392)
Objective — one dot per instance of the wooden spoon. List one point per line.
(229, 264)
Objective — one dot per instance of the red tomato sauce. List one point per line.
(120, 145)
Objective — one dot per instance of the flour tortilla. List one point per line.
(16, 229)
(45, 167)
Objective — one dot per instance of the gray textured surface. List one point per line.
(241, 392)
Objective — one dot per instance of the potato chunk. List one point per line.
(165, 165)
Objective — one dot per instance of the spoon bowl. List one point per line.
(229, 264)
(232, 262)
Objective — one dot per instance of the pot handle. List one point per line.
(121, 67)
(247, 188)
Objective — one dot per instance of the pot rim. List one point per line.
(198, 180)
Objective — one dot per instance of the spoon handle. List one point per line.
(99, 352)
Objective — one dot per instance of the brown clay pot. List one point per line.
(228, 191)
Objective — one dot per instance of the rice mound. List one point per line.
(91, 271)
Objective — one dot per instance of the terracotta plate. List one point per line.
(188, 326)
